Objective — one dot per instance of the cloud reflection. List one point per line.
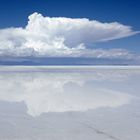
(44, 92)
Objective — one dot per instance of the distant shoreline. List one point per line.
(70, 67)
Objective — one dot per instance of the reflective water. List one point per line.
(40, 103)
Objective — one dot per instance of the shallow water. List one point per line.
(69, 103)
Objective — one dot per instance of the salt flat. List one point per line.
(69, 102)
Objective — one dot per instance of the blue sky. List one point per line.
(126, 12)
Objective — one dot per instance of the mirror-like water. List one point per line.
(69, 103)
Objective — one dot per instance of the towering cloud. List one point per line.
(46, 36)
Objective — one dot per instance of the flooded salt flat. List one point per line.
(69, 103)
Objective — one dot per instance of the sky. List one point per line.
(93, 31)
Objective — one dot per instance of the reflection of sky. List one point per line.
(44, 92)
(100, 104)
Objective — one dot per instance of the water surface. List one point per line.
(69, 103)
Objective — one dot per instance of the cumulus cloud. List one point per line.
(59, 36)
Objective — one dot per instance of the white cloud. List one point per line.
(46, 36)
